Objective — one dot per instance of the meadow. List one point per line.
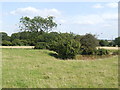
(29, 68)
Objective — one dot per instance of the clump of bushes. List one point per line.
(41, 45)
(6, 43)
(102, 52)
(67, 49)
(18, 42)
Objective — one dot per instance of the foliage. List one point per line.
(103, 43)
(78, 38)
(102, 52)
(6, 43)
(112, 43)
(24, 42)
(4, 36)
(15, 36)
(17, 42)
(40, 45)
(88, 44)
(67, 49)
(117, 41)
(37, 24)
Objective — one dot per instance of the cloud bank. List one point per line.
(31, 11)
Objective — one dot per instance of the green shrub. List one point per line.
(52, 45)
(102, 52)
(41, 45)
(88, 44)
(6, 43)
(103, 43)
(87, 51)
(17, 42)
(67, 49)
(24, 42)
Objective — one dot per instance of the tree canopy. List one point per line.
(117, 41)
(37, 24)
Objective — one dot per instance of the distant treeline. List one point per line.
(32, 38)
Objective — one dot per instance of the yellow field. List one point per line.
(110, 48)
(16, 46)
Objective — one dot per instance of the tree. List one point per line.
(4, 36)
(88, 44)
(6, 43)
(78, 38)
(117, 41)
(17, 42)
(112, 43)
(15, 36)
(37, 24)
(103, 43)
(102, 52)
(41, 45)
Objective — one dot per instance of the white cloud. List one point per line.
(31, 11)
(88, 19)
(92, 19)
(112, 5)
(98, 6)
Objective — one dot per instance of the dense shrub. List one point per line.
(103, 43)
(24, 42)
(88, 44)
(102, 52)
(67, 49)
(6, 43)
(117, 41)
(52, 45)
(17, 42)
(41, 45)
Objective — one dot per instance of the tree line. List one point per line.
(36, 32)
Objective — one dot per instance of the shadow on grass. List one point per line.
(54, 55)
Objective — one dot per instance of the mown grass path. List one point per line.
(29, 68)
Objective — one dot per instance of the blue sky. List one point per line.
(78, 17)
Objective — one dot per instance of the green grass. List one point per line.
(29, 68)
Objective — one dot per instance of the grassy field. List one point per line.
(29, 68)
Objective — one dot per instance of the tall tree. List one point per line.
(37, 24)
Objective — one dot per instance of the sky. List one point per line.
(99, 18)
